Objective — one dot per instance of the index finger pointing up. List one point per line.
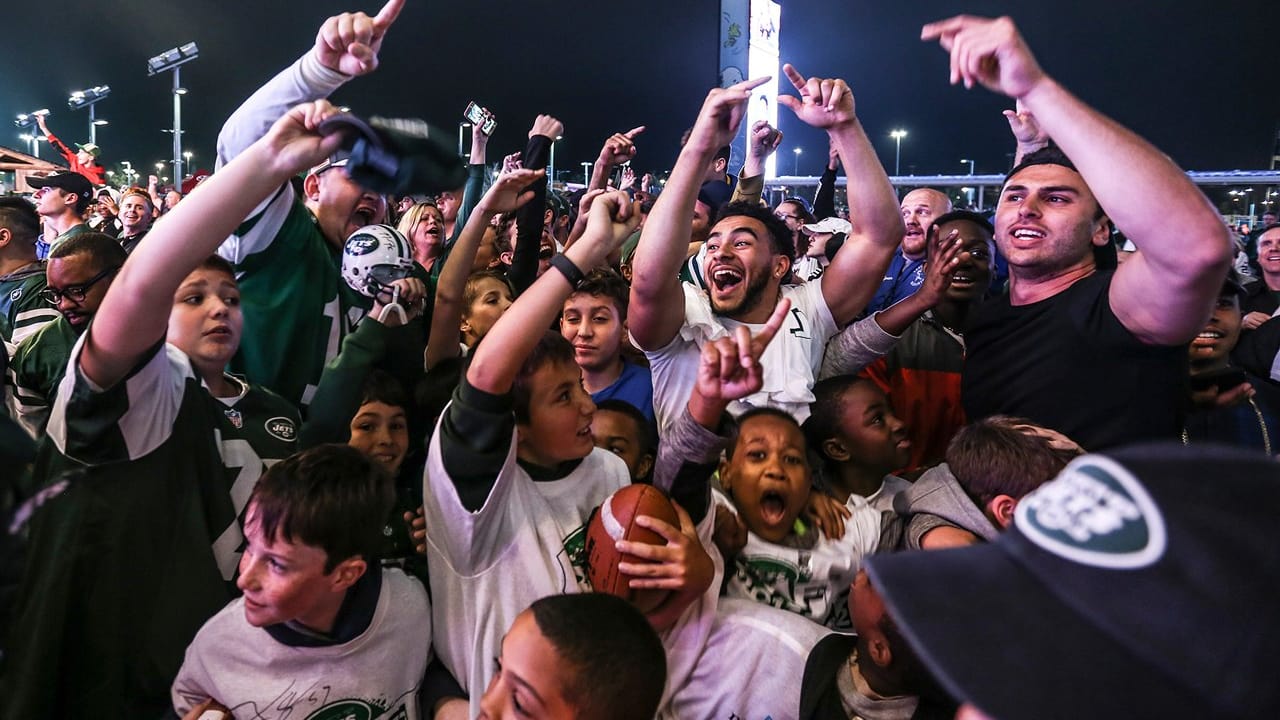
(774, 323)
(388, 14)
(795, 77)
(633, 132)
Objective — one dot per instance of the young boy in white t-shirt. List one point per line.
(321, 627)
(513, 475)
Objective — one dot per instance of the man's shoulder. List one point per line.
(79, 228)
(29, 274)
(54, 337)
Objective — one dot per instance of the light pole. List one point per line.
(87, 99)
(795, 169)
(970, 163)
(551, 177)
(586, 173)
(173, 59)
(461, 131)
(897, 135)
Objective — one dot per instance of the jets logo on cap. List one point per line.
(1094, 513)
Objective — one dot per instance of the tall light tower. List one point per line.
(897, 135)
(795, 170)
(87, 99)
(173, 60)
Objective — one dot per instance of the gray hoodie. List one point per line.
(937, 500)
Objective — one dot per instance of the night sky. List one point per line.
(1197, 79)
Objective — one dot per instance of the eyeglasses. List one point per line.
(74, 293)
(784, 217)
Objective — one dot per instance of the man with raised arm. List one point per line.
(749, 253)
(287, 253)
(1097, 355)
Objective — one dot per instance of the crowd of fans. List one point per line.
(265, 460)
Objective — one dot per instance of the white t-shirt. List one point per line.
(791, 361)
(752, 665)
(813, 582)
(486, 567)
(377, 674)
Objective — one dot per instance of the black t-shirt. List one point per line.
(1068, 363)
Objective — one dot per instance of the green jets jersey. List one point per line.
(296, 306)
(22, 310)
(35, 371)
(134, 548)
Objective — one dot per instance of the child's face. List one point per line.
(560, 413)
(617, 433)
(526, 682)
(206, 319)
(873, 436)
(768, 476)
(381, 432)
(592, 324)
(284, 581)
(492, 299)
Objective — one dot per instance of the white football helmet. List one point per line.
(374, 257)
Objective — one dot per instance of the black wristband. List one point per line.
(571, 272)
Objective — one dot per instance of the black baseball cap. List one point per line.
(1139, 584)
(395, 156)
(72, 182)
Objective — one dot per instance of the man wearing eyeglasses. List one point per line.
(78, 273)
(287, 253)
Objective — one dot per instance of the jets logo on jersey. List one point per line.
(281, 428)
(575, 552)
(16, 295)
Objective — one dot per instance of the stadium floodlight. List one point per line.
(26, 120)
(87, 99)
(173, 59)
(170, 59)
(897, 136)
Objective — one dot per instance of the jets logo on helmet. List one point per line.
(374, 257)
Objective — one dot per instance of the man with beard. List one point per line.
(288, 253)
(749, 253)
(920, 208)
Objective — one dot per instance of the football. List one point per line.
(615, 520)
